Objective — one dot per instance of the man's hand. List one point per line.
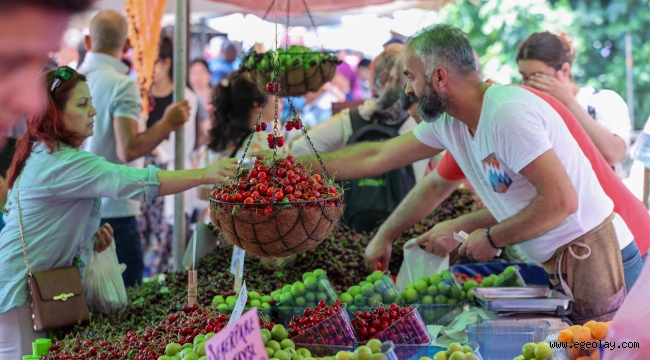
(220, 171)
(379, 251)
(478, 247)
(104, 237)
(440, 239)
(552, 86)
(176, 115)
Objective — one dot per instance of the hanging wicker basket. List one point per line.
(299, 72)
(291, 228)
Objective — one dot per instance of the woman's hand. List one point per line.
(552, 86)
(104, 237)
(220, 171)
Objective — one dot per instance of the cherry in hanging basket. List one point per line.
(300, 69)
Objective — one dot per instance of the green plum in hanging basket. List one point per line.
(300, 69)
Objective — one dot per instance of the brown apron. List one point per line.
(590, 270)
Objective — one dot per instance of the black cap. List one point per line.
(364, 63)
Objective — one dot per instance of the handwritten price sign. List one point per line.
(241, 340)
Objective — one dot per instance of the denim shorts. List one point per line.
(632, 264)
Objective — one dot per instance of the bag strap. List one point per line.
(22, 231)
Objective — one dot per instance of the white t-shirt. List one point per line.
(611, 113)
(515, 128)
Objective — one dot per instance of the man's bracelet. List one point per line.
(489, 237)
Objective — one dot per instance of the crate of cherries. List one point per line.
(324, 325)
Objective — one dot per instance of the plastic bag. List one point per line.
(103, 284)
(418, 263)
(630, 324)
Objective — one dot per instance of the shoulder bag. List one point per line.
(56, 296)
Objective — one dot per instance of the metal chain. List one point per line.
(268, 10)
(248, 144)
(311, 19)
(20, 226)
(286, 43)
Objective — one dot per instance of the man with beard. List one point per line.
(540, 190)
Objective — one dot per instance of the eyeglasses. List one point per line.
(63, 73)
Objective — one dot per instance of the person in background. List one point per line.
(25, 48)
(6, 157)
(223, 64)
(318, 104)
(199, 79)
(59, 188)
(387, 108)
(363, 72)
(120, 135)
(544, 61)
(347, 80)
(68, 54)
(238, 103)
(155, 222)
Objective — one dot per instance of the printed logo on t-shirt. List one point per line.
(497, 177)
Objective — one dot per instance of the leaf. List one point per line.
(139, 300)
(164, 290)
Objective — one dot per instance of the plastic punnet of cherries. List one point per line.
(281, 181)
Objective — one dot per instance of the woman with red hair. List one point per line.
(58, 188)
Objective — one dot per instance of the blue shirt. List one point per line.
(220, 69)
(61, 209)
(114, 95)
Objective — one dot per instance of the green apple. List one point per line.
(286, 288)
(309, 281)
(306, 275)
(355, 290)
(282, 355)
(457, 355)
(346, 298)
(231, 304)
(378, 275)
(520, 357)
(218, 300)
(421, 286)
(528, 350)
(254, 295)
(172, 349)
(467, 349)
(270, 352)
(441, 355)
(304, 352)
(291, 351)
(209, 335)
(273, 344)
(285, 297)
(223, 308)
(359, 300)
(434, 279)
(287, 343)
(443, 288)
(265, 299)
(469, 284)
(427, 300)
(379, 286)
(231, 298)
(426, 279)
(441, 299)
(376, 298)
(410, 295)
(300, 301)
(199, 349)
(164, 357)
(279, 333)
(255, 303)
(374, 345)
(367, 290)
(298, 288)
(453, 347)
(298, 357)
(318, 273)
(432, 290)
(543, 350)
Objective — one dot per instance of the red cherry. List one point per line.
(280, 141)
(297, 124)
(289, 126)
(263, 126)
(270, 87)
(258, 128)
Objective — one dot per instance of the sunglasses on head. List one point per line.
(63, 73)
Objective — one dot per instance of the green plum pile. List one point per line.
(314, 287)
(539, 351)
(341, 256)
(455, 351)
(378, 288)
(438, 289)
(293, 58)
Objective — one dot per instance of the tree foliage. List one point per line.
(598, 28)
